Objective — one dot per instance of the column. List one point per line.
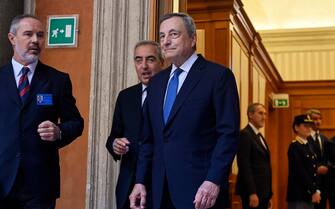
(117, 26)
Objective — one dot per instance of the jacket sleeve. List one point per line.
(71, 123)
(227, 116)
(117, 129)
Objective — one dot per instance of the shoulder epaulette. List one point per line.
(298, 139)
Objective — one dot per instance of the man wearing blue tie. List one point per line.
(38, 116)
(191, 126)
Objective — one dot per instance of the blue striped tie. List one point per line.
(24, 84)
(171, 93)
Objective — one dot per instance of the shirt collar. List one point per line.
(143, 87)
(18, 66)
(186, 66)
(254, 128)
(302, 140)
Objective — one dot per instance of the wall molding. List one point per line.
(302, 54)
(318, 39)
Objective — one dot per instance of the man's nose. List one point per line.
(166, 40)
(144, 64)
(34, 38)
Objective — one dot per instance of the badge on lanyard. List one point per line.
(44, 99)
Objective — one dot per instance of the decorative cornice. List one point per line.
(205, 5)
(326, 87)
(299, 39)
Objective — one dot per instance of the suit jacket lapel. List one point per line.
(159, 94)
(190, 82)
(40, 78)
(138, 102)
(259, 144)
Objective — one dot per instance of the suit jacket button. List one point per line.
(18, 155)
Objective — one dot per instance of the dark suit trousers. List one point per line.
(323, 202)
(263, 203)
(331, 198)
(166, 199)
(21, 197)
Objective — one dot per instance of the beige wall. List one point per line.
(76, 62)
(304, 54)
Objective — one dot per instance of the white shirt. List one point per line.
(186, 67)
(17, 67)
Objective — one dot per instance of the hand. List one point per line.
(316, 197)
(48, 131)
(322, 169)
(120, 146)
(137, 197)
(206, 195)
(270, 204)
(253, 201)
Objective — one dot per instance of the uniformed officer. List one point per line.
(303, 184)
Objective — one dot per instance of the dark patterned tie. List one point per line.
(24, 84)
(318, 144)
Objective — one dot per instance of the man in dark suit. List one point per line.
(253, 159)
(317, 142)
(191, 125)
(124, 137)
(38, 116)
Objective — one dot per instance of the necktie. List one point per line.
(171, 93)
(144, 95)
(261, 139)
(24, 86)
(318, 142)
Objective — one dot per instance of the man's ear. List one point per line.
(194, 40)
(11, 38)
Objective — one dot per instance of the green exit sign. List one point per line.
(280, 100)
(62, 31)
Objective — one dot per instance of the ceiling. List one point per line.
(288, 14)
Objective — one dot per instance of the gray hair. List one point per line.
(152, 43)
(16, 21)
(188, 22)
(252, 108)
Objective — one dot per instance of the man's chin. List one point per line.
(31, 58)
(169, 54)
